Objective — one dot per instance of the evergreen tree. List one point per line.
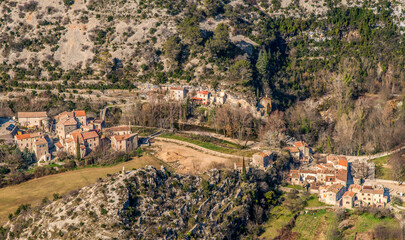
(244, 175)
(262, 63)
(268, 110)
(78, 155)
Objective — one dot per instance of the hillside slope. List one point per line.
(148, 204)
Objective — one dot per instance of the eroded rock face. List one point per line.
(146, 204)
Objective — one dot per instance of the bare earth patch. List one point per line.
(186, 159)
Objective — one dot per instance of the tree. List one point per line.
(397, 162)
(244, 175)
(262, 63)
(190, 31)
(212, 7)
(219, 43)
(68, 2)
(172, 48)
(271, 198)
(241, 71)
(78, 155)
(105, 62)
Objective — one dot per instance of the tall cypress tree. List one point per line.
(244, 175)
(78, 155)
(262, 63)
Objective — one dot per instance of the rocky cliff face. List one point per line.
(150, 204)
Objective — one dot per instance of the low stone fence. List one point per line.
(202, 149)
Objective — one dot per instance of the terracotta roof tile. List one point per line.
(349, 194)
(177, 88)
(31, 114)
(335, 188)
(59, 145)
(91, 134)
(118, 129)
(203, 92)
(80, 113)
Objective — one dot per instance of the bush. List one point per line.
(68, 2)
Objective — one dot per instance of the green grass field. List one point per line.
(314, 225)
(314, 202)
(33, 191)
(381, 169)
(231, 148)
(279, 216)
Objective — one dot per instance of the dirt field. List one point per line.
(32, 192)
(187, 160)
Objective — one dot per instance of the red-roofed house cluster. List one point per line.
(301, 151)
(332, 182)
(71, 130)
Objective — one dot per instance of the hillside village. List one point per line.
(72, 132)
(333, 180)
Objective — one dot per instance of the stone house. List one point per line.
(348, 199)
(91, 139)
(372, 197)
(119, 130)
(27, 140)
(81, 117)
(205, 97)
(33, 119)
(177, 93)
(197, 100)
(59, 146)
(220, 98)
(99, 124)
(341, 177)
(262, 160)
(71, 147)
(331, 194)
(65, 126)
(305, 150)
(125, 143)
(295, 177)
(294, 151)
(41, 150)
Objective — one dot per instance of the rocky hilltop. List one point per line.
(150, 204)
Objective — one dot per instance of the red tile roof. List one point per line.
(59, 145)
(65, 114)
(263, 155)
(69, 122)
(335, 188)
(123, 137)
(349, 194)
(23, 136)
(91, 134)
(77, 135)
(300, 144)
(80, 113)
(28, 135)
(203, 92)
(341, 175)
(197, 98)
(118, 129)
(343, 162)
(31, 114)
(292, 149)
(177, 88)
